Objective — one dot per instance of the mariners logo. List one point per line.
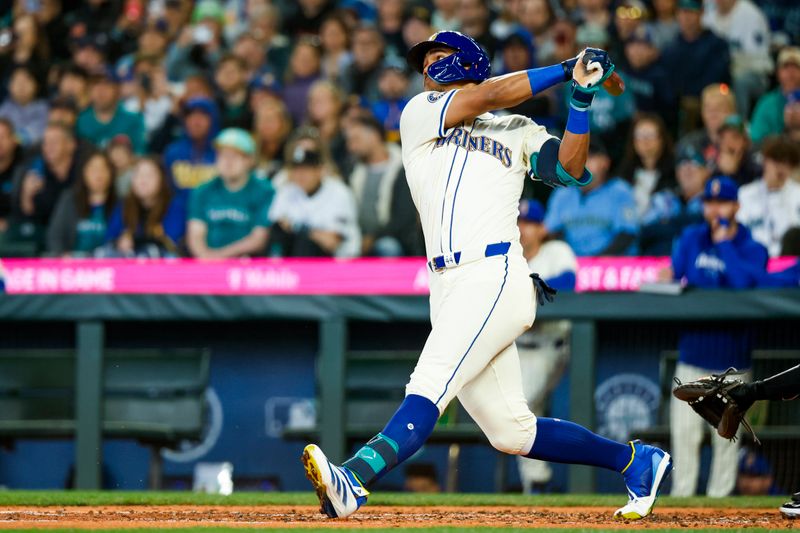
(625, 403)
(432, 97)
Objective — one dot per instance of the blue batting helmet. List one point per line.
(469, 62)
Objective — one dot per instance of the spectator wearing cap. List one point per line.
(195, 86)
(228, 215)
(334, 36)
(735, 157)
(313, 214)
(598, 219)
(386, 213)
(697, 59)
(272, 128)
(149, 222)
(199, 46)
(475, 17)
(368, 53)
(717, 104)
(304, 70)
(231, 80)
(325, 107)
(190, 160)
(673, 210)
(551, 258)
(445, 15)
(646, 78)
(770, 206)
(393, 85)
(74, 83)
(106, 117)
(12, 163)
(90, 52)
(664, 25)
(53, 170)
(648, 164)
(718, 253)
(744, 26)
(80, 219)
(767, 116)
(22, 107)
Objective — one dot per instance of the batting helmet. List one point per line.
(469, 62)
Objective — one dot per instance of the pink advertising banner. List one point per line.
(407, 276)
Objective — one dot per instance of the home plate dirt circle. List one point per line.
(143, 516)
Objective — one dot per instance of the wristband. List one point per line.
(545, 77)
(578, 121)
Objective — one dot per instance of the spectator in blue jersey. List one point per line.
(149, 222)
(189, 161)
(672, 210)
(719, 253)
(598, 219)
(551, 258)
(393, 84)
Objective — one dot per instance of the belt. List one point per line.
(441, 263)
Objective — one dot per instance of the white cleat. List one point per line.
(648, 469)
(339, 491)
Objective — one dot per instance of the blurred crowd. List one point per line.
(230, 128)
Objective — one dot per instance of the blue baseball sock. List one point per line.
(405, 433)
(560, 441)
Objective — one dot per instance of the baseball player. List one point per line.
(465, 168)
(724, 403)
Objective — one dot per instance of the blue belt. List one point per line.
(454, 259)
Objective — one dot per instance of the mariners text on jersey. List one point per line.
(461, 137)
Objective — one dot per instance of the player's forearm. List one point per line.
(502, 92)
(573, 152)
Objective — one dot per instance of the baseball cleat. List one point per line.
(792, 509)
(648, 469)
(339, 491)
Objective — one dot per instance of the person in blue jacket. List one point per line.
(718, 253)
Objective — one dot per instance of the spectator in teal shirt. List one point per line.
(105, 118)
(228, 215)
(598, 219)
(768, 115)
(79, 223)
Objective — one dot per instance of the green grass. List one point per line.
(36, 498)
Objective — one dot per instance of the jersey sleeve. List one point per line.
(535, 137)
(423, 118)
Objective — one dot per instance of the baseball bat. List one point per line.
(614, 84)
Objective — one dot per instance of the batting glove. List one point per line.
(592, 68)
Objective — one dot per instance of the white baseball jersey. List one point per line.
(768, 214)
(466, 180)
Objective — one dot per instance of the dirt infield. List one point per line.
(142, 516)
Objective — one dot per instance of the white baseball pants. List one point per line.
(477, 311)
(686, 430)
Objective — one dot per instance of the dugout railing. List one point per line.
(591, 314)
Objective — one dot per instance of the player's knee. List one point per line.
(514, 441)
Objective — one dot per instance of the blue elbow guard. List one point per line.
(546, 167)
